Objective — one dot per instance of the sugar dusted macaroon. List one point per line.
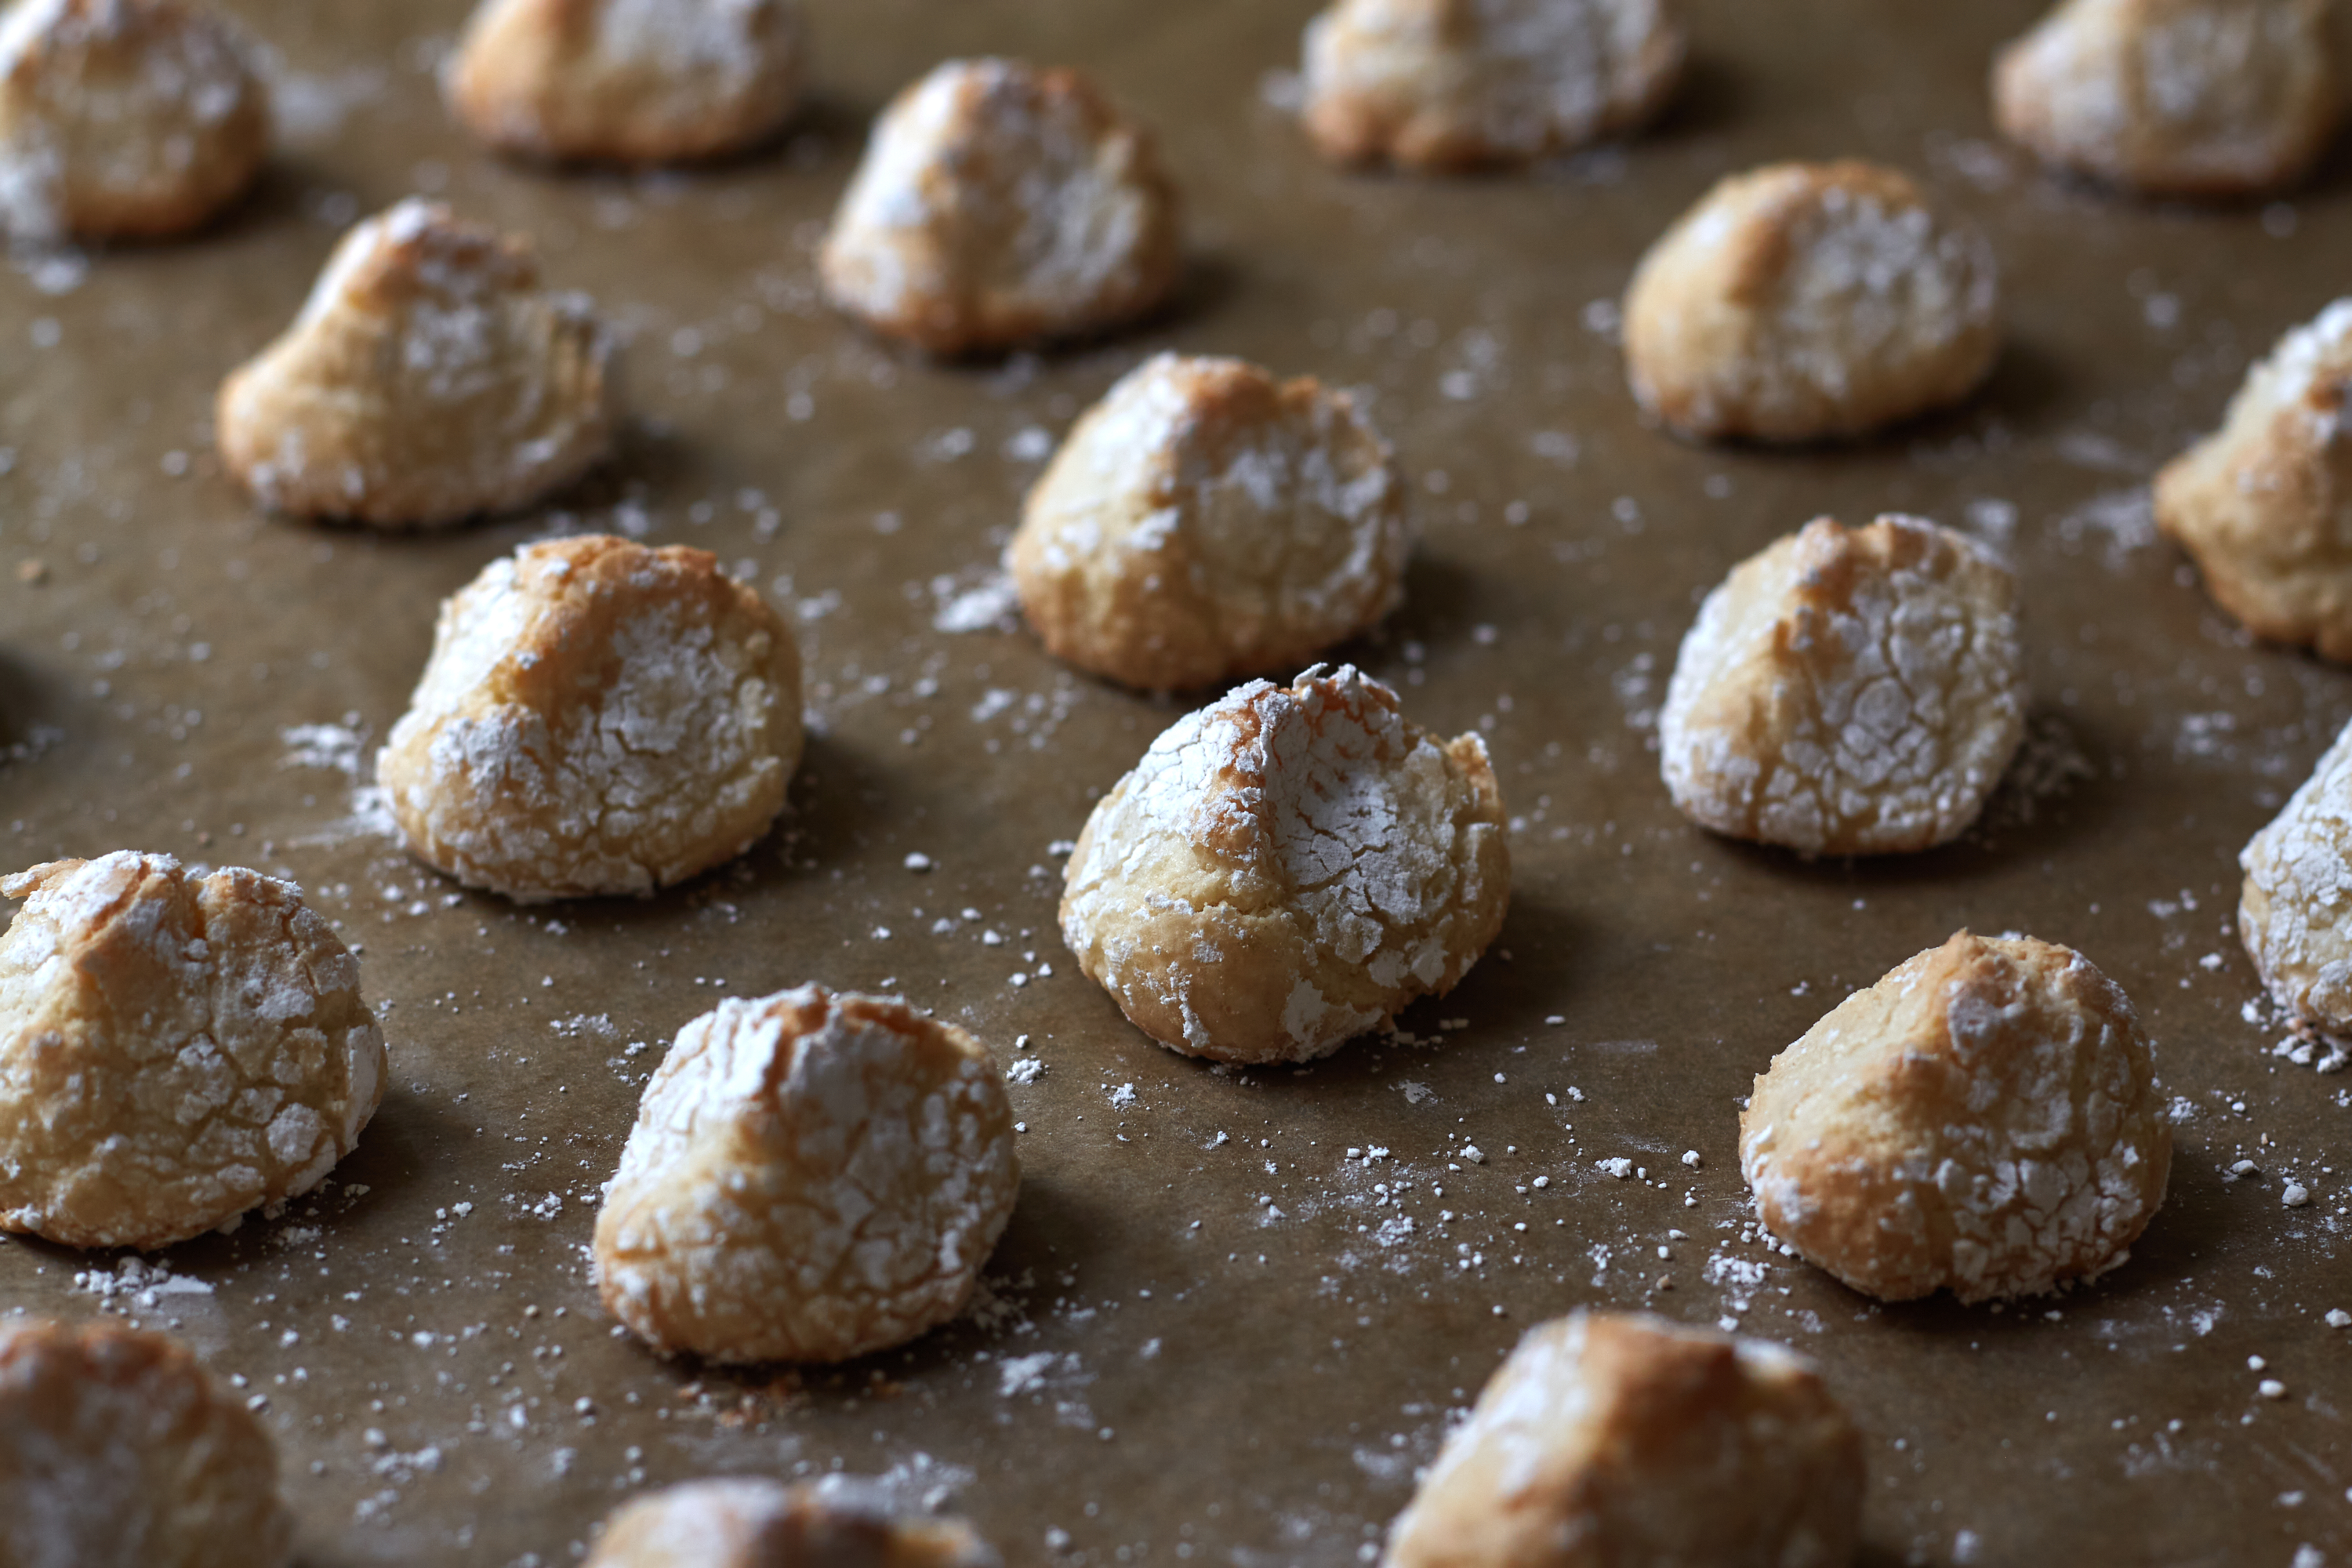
(596, 717)
(1288, 867)
(176, 1049)
(1001, 204)
(1205, 521)
(1450, 84)
(634, 82)
(1810, 302)
(812, 1177)
(1848, 692)
(2264, 503)
(124, 119)
(1610, 1439)
(428, 379)
(2294, 911)
(117, 1449)
(2197, 97)
(1985, 1120)
(751, 1521)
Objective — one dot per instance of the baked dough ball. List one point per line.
(1205, 521)
(1803, 302)
(116, 1451)
(640, 81)
(2295, 913)
(174, 1050)
(1288, 867)
(1848, 692)
(812, 1177)
(2264, 504)
(751, 1521)
(2206, 97)
(998, 204)
(124, 119)
(1617, 1439)
(1984, 1119)
(596, 717)
(428, 379)
(1449, 84)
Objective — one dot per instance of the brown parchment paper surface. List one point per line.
(1208, 1335)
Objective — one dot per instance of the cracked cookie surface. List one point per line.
(1984, 1119)
(596, 717)
(2295, 909)
(1287, 868)
(174, 1050)
(751, 1521)
(812, 1177)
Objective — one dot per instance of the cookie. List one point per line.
(2295, 913)
(750, 1522)
(1810, 302)
(1454, 84)
(1848, 692)
(1985, 1120)
(428, 379)
(632, 81)
(1617, 1439)
(1288, 867)
(812, 1177)
(1001, 204)
(174, 1050)
(2192, 97)
(596, 717)
(124, 119)
(1205, 521)
(2264, 504)
(116, 1450)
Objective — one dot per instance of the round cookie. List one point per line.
(1984, 1119)
(2196, 98)
(812, 1177)
(124, 119)
(2264, 504)
(1205, 521)
(1615, 1438)
(174, 1050)
(1287, 868)
(1809, 301)
(999, 204)
(751, 1521)
(635, 81)
(1451, 84)
(596, 717)
(2295, 913)
(1848, 692)
(116, 1450)
(428, 379)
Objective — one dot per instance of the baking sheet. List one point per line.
(1208, 1334)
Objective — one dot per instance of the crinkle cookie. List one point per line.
(1616, 1439)
(2264, 504)
(999, 204)
(596, 717)
(637, 81)
(812, 1177)
(124, 119)
(428, 379)
(1205, 521)
(1806, 301)
(116, 1451)
(1848, 692)
(1287, 868)
(2295, 913)
(2199, 98)
(1985, 1120)
(751, 1521)
(1449, 84)
(174, 1050)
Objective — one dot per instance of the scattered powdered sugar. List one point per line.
(990, 604)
